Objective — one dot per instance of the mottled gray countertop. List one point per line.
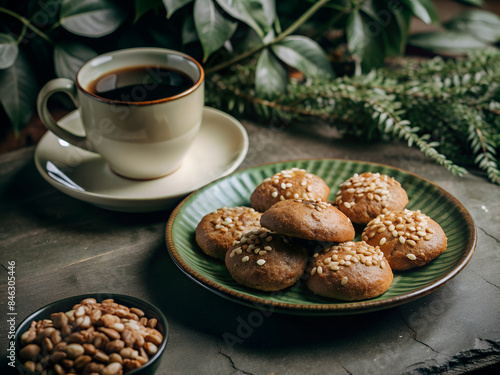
(64, 247)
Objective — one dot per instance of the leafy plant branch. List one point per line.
(290, 30)
(26, 24)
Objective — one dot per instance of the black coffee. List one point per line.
(140, 84)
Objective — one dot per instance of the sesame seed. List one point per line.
(320, 270)
(283, 185)
(428, 237)
(411, 243)
(269, 238)
(334, 268)
(313, 271)
(238, 251)
(347, 205)
(382, 264)
(274, 194)
(245, 259)
(344, 281)
(402, 239)
(382, 241)
(261, 262)
(411, 256)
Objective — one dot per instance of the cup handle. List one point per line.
(68, 87)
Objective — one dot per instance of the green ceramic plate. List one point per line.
(235, 190)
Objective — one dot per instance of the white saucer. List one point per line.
(219, 148)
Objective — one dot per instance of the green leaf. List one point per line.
(269, 7)
(173, 5)
(270, 76)
(8, 51)
(451, 42)
(18, 91)
(189, 30)
(250, 12)
(357, 39)
(364, 40)
(212, 28)
(144, 6)
(303, 54)
(423, 9)
(482, 24)
(69, 57)
(91, 18)
(394, 24)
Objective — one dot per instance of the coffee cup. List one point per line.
(141, 109)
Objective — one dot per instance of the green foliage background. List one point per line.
(251, 48)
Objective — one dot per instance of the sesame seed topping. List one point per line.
(245, 259)
(344, 281)
(382, 241)
(411, 256)
(261, 262)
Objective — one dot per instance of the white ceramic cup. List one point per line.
(138, 139)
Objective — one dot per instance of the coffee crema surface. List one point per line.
(140, 84)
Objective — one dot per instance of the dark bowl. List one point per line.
(66, 304)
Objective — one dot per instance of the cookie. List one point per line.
(350, 271)
(217, 231)
(266, 261)
(308, 219)
(363, 197)
(408, 239)
(288, 184)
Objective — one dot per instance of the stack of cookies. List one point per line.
(273, 244)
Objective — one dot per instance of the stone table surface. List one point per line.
(64, 247)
